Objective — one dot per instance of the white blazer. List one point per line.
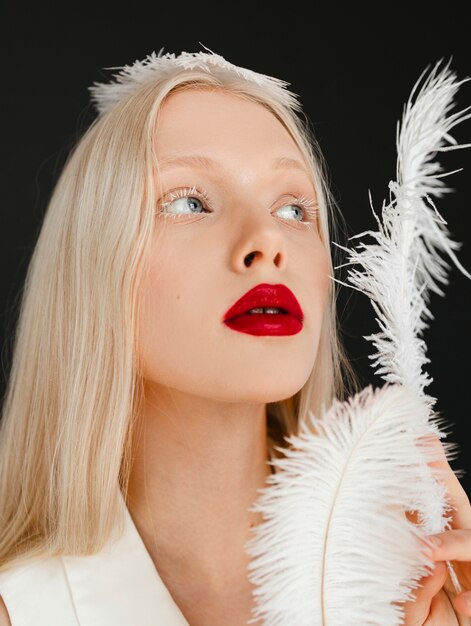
(119, 586)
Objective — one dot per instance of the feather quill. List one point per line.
(335, 546)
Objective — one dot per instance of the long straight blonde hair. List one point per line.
(74, 390)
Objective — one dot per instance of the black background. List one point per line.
(353, 66)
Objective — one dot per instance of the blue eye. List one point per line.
(187, 204)
(298, 211)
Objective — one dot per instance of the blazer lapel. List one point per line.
(120, 585)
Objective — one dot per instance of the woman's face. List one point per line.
(232, 182)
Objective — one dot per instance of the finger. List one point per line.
(442, 612)
(417, 610)
(457, 496)
(451, 545)
(463, 604)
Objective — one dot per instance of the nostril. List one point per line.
(249, 258)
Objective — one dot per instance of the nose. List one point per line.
(260, 241)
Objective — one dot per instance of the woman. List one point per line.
(177, 322)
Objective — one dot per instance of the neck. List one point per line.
(197, 466)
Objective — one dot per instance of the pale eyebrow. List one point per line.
(204, 162)
(194, 160)
(288, 163)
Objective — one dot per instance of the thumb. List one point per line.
(416, 611)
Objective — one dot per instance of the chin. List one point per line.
(267, 390)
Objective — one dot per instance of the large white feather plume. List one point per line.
(336, 547)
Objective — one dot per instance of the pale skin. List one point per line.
(201, 453)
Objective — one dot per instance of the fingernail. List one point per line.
(426, 549)
(430, 544)
(434, 540)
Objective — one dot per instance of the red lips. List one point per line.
(288, 322)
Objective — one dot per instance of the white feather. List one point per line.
(403, 264)
(335, 547)
(156, 67)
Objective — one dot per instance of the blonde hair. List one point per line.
(74, 390)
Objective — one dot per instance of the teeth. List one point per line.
(265, 310)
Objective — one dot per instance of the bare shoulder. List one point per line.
(4, 617)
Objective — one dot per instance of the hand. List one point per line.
(436, 602)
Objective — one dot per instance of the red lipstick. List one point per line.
(249, 314)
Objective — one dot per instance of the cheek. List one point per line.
(317, 287)
(322, 270)
(160, 297)
(173, 314)
(317, 276)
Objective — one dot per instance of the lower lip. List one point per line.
(266, 324)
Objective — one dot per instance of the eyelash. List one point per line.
(309, 205)
(183, 192)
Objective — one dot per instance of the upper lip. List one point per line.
(266, 295)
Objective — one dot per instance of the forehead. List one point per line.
(218, 120)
